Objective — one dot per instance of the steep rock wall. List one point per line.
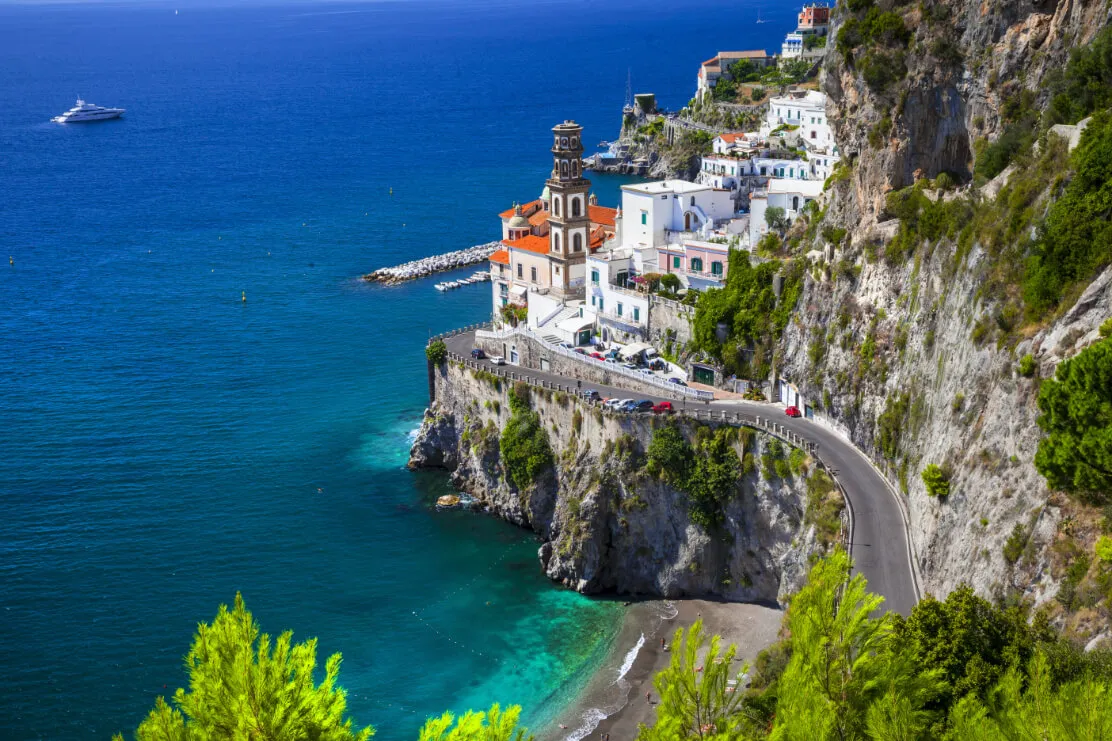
(860, 342)
(605, 524)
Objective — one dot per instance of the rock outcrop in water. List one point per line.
(605, 524)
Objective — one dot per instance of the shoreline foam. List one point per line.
(608, 703)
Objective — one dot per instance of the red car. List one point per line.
(597, 356)
(793, 412)
(663, 407)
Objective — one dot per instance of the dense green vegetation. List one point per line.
(436, 352)
(243, 687)
(1076, 415)
(1086, 83)
(752, 317)
(875, 42)
(524, 442)
(956, 669)
(707, 471)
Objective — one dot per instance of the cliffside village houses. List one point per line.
(575, 267)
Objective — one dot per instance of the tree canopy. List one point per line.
(244, 687)
(1076, 406)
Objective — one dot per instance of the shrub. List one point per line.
(670, 455)
(436, 352)
(1014, 545)
(1103, 549)
(1076, 453)
(958, 402)
(937, 480)
(524, 442)
(1106, 328)
(1027, 366)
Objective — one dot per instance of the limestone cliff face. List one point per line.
(885, 349)
(605, 524)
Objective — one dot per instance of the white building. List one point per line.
(621, 311)
(790, 195)
(651, 211)
(806, 110)
(718, 67)
(736, 143)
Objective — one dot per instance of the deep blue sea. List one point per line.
(163, 444)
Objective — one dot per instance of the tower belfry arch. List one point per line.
(569, 219)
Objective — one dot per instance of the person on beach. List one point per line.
(648, 698)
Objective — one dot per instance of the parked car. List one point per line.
(664, 407)
(793, 411)
(610, 360)
(478, 354)
(591, 395)
(565, 345)
(644, 405)
(646, 371)
(626, 405)
(497, 360)
(597, 356)
(613, 353)
(631, 366)
(677, 381)
(614, 403)
(658, 364)
(581, 351)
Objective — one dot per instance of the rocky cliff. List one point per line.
(911, 343)
(607, 524)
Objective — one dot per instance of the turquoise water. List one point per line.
(165, 444)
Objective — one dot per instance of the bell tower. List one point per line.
(569, 220)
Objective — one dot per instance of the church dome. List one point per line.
(518, 220)
(546, 195)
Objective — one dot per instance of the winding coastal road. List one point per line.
(879, 547)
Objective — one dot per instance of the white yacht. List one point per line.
(87, 112)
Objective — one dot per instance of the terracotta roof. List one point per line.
(712, 60)
(501, 256)
(752, 54)
(602, 215)
(598, 236)
(731, 138)
(526, 208)
(538, 218)
(530, 243)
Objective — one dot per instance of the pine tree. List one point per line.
(494, 725)
(242, 687)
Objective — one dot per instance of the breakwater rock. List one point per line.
(429, 265)
(607, 524)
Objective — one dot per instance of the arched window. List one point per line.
(696, 265)
(575, 169)
(556, 206)
(577, 243)
(564, 168)
(556, 241)
(716, 268)
(564, 142)
(575, 207)
(795, 203)
(574, 142)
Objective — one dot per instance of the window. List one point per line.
(533, 274)
(557, 270)
(795, 203)
(519, 270)
(716, 268)
(619, 308)
(692, 200)
(594, 279)
(556, 206)
(696, 264)
(676, 262)
(600, 303)
(644, 217)
(592, 300)
(575, 207)
(812, 134)
(564, 168)
(577, 243)
(636, 313)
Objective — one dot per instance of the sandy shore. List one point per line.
(614, 700)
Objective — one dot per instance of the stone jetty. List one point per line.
(435, 264)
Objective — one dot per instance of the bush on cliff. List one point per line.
(524, 442)
(706, 472)
(937, 481)
(1076, 415)
(437, 352)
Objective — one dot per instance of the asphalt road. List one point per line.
(879, 547)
